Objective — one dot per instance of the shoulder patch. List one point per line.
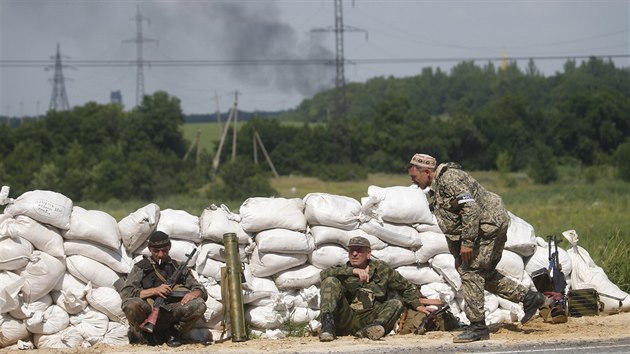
(465, 198)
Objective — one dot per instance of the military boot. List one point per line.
(476, 331)
(532, 301)
(327, 332)
(372, 331)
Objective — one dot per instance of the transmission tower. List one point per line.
(59, 98)
(139, 40)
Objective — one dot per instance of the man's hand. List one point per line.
(162, 291)
(423, 309)
(190, 296)
(363, 274)
(466, 253)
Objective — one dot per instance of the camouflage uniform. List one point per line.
(174, 315)
(356, 304)
(471, 216)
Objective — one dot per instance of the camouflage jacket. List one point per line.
(463, 207)
(385, 282)
(143, 276)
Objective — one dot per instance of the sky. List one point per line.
(197, 50)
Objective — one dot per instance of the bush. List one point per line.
(240, 180)
(622, 161)
(542, 165)
(340, 172)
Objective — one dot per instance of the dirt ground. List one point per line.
(536, 331)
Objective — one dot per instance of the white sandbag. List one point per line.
(215, 222)
(267, 264)
(46, 207)
(136, 227)
(45, 238)
(41, 274)
(521, 237)
(284, 241)
(10, 288)
(214, 309)
(70, 283)
(265, 317)
(209, 267)
(91, 323)
(180, 225)
(395, 256)
(89, 270)
(179, 249)
(93, 225)
(328, 255)
(106, 300)
(500, 316)
(69, 294)
(300, 277)
(439, 290)
(117, 260)
(15, 253)
(394, 234)
(65, 339)
(302, 315)
(432, 226)
(216, 251)
(402, 205)
(490, 302)
(256, 288)
(11, 330)
(52, 320)
(511, 264)
(116, 335)
(444, 264)
(332, 210)
(420, 274)
(28, 309)
(540, 258)
(432, 244)
(586, 274)
(260, 213)
(326, 234)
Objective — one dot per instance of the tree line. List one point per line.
(478, 115)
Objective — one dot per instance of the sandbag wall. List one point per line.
(59, 262)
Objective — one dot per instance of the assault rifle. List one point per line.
(429, 320)
(559, 306)
(149, 324)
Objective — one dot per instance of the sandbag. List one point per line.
(216, 251)
(399, 204)
(180, 225)
(136, 227)
(10, 288)
(28, 309)
(332, 210)
(394, 234)
(260, 213)
(11, 330)
(52, 320)
(118, 260)
(511, 264)
(91, 323)
(65, 339)
(420, 274)
(94, 226)
(326, 234)
(395, 256)
(299, 277)
(328, 255)
(520, 237)
(89, 270)
(444, 264)
(209, 267)
(106, 300)
(284, 241)
(41, 275)
(46, 207)
(15, 253)
(45, 238)
(432, 244)
(215, 222)
(266, 264)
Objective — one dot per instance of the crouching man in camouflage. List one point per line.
(185, 302)
(355, 296)
(475, 223)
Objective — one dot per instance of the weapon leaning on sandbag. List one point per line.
(429, 320)
(559, 310)
(232, 289)
(149, 324)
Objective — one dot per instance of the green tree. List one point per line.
(542, 164)
(622, 160)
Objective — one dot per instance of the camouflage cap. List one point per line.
(423, 160)
(359, 241)
(159, 239)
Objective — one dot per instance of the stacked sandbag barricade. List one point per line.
(59, 262)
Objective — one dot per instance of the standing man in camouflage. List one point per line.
(475, 223)
(185, 302)
(355, 297)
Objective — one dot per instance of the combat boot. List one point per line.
(476, 331)
(532, 301)
(373, 331)
(327, 332)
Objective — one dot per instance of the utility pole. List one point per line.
(234, 125)
(59, 98)
(139, 40)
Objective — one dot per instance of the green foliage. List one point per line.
(240, 179)
(340, 172)
(504, 161)
(542, 165)
(622, 160)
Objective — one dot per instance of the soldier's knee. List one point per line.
(330, 281)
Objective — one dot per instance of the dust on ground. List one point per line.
(592, 328)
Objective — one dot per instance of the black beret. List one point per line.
(159, 239)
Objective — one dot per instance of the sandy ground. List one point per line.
(584, 328)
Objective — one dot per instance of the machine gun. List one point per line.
(149, 324)
(559, 309)
(429, 320)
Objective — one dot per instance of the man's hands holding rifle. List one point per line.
(164, 290)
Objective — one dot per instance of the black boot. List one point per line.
(476, 331)
(174, 340)
(327, 332)
(532, 301)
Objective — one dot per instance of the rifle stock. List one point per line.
(148, 325)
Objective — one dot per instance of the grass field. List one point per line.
(209, 133)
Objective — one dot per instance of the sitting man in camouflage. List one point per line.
(185, 302)
(355, 297)
(475, 223)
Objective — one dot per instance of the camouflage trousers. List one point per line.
(481, 274)
(349, 321)
(172, 316)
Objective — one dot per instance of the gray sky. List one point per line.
(263, 29)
